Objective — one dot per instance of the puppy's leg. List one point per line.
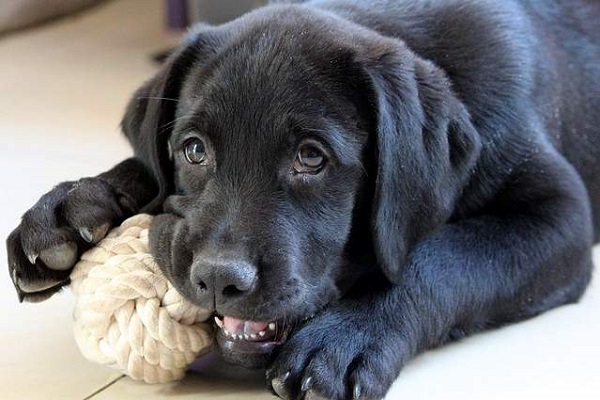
(526, 253)
(68, 220)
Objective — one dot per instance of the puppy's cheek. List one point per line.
(181, 253)
(161, 237)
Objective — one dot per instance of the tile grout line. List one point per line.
(104, 387)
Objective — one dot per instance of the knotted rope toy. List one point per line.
(127, 314)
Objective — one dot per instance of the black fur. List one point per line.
(460, 192)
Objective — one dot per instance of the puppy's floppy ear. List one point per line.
(426, 148)
(150, 115)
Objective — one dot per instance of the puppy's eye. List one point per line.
(195, 151)
(309, 160)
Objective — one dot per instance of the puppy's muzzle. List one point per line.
(226, 283)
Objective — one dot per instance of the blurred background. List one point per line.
(19, 14)
(67, 70)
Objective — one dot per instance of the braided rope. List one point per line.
(128, 315)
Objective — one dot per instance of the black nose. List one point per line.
(222, 279)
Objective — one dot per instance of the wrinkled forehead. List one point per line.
(255, 76)
(248, 113)
(260, 88)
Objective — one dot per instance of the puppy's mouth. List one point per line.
(249, 343)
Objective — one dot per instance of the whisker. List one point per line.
(157, 98)
(170, 124)
(316, 130)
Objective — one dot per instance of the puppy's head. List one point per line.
(298, 156)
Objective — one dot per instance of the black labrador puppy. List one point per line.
(348, 183)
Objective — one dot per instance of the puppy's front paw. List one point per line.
(43, 249)
(339, 354)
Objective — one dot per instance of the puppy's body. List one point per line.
(510, 62)
(385, 174)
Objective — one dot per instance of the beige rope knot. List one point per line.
(128, 315)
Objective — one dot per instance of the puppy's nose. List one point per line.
(223, 279)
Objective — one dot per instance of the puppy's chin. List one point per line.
(249, 359)
(249, 343)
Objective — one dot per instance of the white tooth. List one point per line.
(240, 337)
(262, 333)
(226, 332)
(246, 337)
(253, 335)
(272, 326)
(219, 322)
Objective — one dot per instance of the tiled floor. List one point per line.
(63, 89)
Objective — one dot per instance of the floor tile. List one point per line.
(210, 378)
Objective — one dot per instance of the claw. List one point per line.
(86, 235)
(32, 258)
(357, 392)
(307, 384)
(94, 235)
(278, 385)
